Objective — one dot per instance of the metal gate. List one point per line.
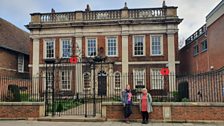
(70, 89)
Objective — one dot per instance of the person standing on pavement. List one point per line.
(145, 105)
(127, 102)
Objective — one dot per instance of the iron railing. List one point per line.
(204, 87)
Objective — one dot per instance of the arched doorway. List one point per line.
(102, 83)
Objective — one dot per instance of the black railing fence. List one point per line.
(21, 90)
(204, 87)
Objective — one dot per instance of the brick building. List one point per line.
(138, 41)
(203, 50)
(14, 50)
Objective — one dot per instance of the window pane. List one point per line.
(196, 50)
(117, 80)
(49, 49)
(20, 63)
(204, 45)
(65, 80)
(111, 46)
(91, 47)
(66, 48)
(138, 45)
(157, 80)
(139, 76)
(156, 45)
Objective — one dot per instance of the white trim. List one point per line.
(60, 76)
(133, 45)
(117, 63)
(61, 46)
(117, 72)
(214, 15)
(147, 62)
(161, 44)
(44, 48)
(124, 59)
(86, 44)
(8, 69)
(44, 80)
(134, 75)
(18, 67)
(36, 57)
(171, 59)
(107, 46)
(151, 62)
(153, 75)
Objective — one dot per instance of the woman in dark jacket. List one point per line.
(127, 102)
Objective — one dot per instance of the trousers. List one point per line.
(145, 116)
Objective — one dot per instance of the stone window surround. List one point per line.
(161, 45)
(158, 76)
(133, 45)
(135, 75)
(45, 49)
(21, 63)
(61, 46)
(116, 46)
(86, 48)
(70, 80)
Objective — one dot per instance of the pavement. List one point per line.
(107, 123)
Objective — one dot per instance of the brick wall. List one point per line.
(115, 112)
(203, 61)
(197, 113)
(147, 56)
(190, 63)
(170, 111)
(5, 81)
(9, 64)
(21, 110)
(215, 43)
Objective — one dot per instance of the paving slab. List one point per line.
(106, 123)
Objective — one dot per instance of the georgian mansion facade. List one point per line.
(136, 43)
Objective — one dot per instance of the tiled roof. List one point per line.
(13, 38)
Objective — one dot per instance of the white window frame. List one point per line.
(133, 45)
(117, 72)
(135, 74)
(70, 80)
(61, 47)
(159, 76)
(86, 44)
(20, 65)
(48, 81)
(45, 48)
(107, 38)
(161, 44)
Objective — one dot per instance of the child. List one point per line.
(145, 105)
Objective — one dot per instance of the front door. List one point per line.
(102, 83)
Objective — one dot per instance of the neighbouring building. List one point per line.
(137, 43)
(14, 51)
(203, 50)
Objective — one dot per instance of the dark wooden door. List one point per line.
(102, 84)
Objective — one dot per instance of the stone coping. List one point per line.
(208, 104)
(21, 103)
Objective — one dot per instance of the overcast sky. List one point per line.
(193, 11)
